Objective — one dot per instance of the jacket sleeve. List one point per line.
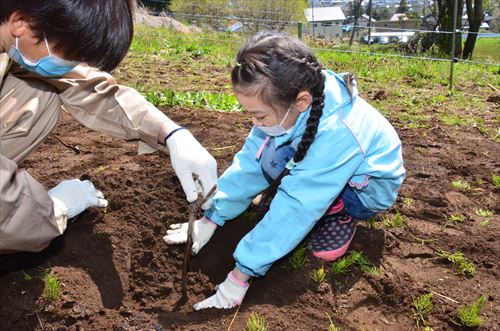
(240, 183)
(302, 199)
(95, 99)
(27, 219)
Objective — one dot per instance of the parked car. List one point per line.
(383, 40)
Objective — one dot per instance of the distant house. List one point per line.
(408, 24)
(324, 21)
(363, 20)
(398, 17)
(325, 3)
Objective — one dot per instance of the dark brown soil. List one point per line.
(116, 272)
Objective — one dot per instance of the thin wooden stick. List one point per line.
(444, 296)
(492, 87)
(221, 148)
(39, 321)
(237, 310)
(193, 209)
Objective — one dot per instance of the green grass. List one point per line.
(407, 202)
(486, 49)
(371, 223)
(420, 308)
(298, 258)
(458, 262)
(52, 287)
(318, 275)
(461, 185)
(496, 180)
(331, 326)
(354, 258)
(416, 91)
(256, 322)
(26, 276)
(468, 315)
(456, 218)
(204, 100)
(483, 212)
(394, 221)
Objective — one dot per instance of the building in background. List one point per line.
(324, 22)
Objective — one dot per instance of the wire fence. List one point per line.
(339, 40)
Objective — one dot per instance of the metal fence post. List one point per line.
(453, 37)
(299, 29)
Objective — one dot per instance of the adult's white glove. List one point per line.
(230, 293)
(76, 196)
(193, 165)
(203, 229)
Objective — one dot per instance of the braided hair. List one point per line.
(276, 67)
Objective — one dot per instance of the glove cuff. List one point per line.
(236, 281)
(172, 132)
(209, 222)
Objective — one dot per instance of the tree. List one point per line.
(156, 5)
(475, 16)
(403, 7)
(254, 14)
(445, 23)
(384, 14)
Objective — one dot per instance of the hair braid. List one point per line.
(307, 138)
(312, 121)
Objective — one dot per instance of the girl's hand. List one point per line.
(202, 232)
(230, 293)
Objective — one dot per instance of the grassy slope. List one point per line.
(411, 92)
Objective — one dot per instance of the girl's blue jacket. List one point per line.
(354, 145)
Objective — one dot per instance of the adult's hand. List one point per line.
(76, 196)
(194, 166)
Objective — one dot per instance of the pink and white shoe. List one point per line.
(333, 235)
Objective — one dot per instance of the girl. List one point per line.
(331, 157)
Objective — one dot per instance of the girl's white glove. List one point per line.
(76, 196)
(230, 293)
(191, 161)
(203, 229)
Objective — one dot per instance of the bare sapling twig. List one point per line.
(74, 148)
(193, 210)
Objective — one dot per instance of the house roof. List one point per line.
(398, 16)
(366, 17)
(321, 14)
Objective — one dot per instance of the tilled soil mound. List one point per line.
(116, 272)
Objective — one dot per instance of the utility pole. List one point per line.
(453, 41)
(369, 20)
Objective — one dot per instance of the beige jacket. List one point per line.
(27, 219)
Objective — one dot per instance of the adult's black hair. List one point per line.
(96, 32)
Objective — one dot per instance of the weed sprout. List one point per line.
(298, 258)
(394, 221)
(341, 266)
(331, 326)
(458, 261)
(52, 287)
(483, 212)
(457, 218)
(496, 180)
(468, 315)
(318, 275)
(256, 323)
(461, 185)
(421, 307)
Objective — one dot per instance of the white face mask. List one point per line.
(276, 130)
